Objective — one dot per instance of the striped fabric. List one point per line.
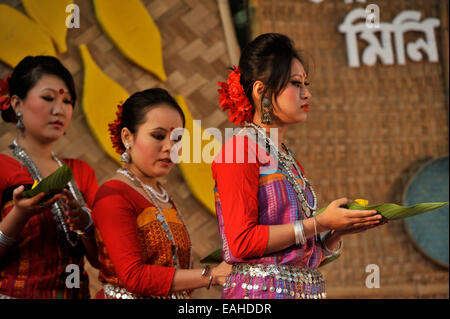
(277, 205)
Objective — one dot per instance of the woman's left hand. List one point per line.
(77, 218)
(359, 229)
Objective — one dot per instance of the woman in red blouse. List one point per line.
(264, 203)
(144, 246)
(40, 238)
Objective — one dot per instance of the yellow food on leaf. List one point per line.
(134, 32)
(36, 182)
(51, 15)
(101, 95)
(197, 172)
(362, 202)
(20, 36)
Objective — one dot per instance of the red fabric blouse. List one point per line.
(133, 250)
(35, 266)
(236, 172)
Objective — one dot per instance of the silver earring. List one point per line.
(266, 114)
(125, 156)
(19, 123)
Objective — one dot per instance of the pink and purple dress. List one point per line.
(250, 194)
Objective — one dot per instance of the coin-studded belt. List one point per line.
(290, 281)
(115, 292)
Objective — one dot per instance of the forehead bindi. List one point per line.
(51, 83)
(297, 70)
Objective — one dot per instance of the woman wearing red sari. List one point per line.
(144, 246)
(40, 238)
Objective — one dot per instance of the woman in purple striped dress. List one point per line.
(264, 202)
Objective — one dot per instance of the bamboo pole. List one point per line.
(444, 46)
(234, 51)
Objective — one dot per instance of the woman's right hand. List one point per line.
(29, 207)
(220, 272)
(339, 218)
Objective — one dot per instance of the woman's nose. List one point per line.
(305, 94)
(167, 146)
(58, 107)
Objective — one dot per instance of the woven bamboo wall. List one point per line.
(342, 157)
(368, 131)
(195, 58)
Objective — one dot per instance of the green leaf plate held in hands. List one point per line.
(392, 211)
(388, 211)
(52, 184)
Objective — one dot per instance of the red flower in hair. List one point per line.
(5, 100)
(233, 99)
(114, 129)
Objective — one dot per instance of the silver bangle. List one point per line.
(89, 226)
(6, 241)
(315, 228)
(205, 270)
(299, 233)
(335, 251)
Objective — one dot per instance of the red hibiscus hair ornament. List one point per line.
(232, 98)
(5, 99)
(115, 129)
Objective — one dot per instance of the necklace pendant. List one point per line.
(308, 212)
(306, 208)
(304, 205)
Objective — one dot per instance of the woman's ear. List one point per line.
(16, 102)
(257, 92)
(127, 136)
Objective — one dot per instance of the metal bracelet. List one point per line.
(299, 233)
(210, 282)
(205, 270)
(335, 251)
(6, 241)
(89, 226)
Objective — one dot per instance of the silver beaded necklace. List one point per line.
(58, 206)
(162, 197)
(285, 161)
(159, 215)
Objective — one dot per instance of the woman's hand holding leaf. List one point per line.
(29, 207)
(342, 219)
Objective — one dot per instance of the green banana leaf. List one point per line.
(329, 259)
(388, 211)
(214, 258)
(394, 211)
(52, 184)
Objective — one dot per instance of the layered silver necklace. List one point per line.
(159, 215)
(162, 197)
(58, 207)
(286, 160)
